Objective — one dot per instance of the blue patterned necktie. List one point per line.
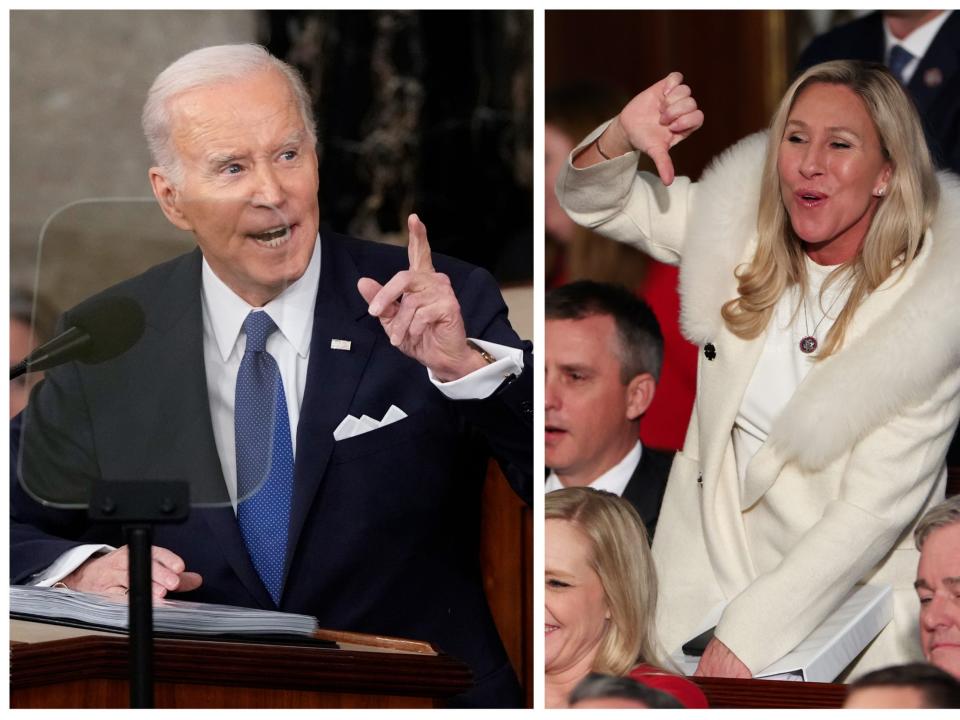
(900, 57)
(264, 455)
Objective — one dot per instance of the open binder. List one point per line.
(825, 652)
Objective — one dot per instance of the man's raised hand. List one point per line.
(420, 313)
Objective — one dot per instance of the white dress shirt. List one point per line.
(223, 346)
(916, 43)
(224, 343)
(614, 480)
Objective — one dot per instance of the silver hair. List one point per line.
(946, 513)
(203, 67)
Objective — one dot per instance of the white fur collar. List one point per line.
(899, 359)
(722, 225)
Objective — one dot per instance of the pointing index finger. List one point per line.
(418, 249)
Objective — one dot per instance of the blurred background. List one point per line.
(738, 62)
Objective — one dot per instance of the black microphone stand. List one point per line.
(138, 505)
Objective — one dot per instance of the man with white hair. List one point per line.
(938, 584)
(340, 398)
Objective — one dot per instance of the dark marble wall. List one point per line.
(427, 112)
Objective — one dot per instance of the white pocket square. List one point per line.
(351, 426)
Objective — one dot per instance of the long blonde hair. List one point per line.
(620, 555)
(895, 234)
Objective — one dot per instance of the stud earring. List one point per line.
(881, 191)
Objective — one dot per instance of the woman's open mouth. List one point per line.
(810, 198)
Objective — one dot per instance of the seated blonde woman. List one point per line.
(601, 597)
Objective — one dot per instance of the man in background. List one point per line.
(922, 49)
(603, 356)
(604, 692)
(938, 585)
(916, 685)
(32, 323)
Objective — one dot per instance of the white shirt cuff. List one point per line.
(483, 383)
(66, 564)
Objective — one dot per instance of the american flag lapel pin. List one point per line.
(336, 344)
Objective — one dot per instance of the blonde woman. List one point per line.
(819, 275)
(601, 597)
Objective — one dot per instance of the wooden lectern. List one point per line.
(71, 668)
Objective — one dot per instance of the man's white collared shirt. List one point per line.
(614, 480)
(224, 343)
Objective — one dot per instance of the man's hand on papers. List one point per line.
(719, 661)
(420, 313)
(108, 574)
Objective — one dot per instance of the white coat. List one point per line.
(857, 454)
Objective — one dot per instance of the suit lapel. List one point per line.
(182, 438)
(332, 376)
(645, 491)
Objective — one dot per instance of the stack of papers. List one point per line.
(169, 616)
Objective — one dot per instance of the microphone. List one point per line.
(100, 329)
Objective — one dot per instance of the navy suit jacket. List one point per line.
(384, 527)
(938, 104)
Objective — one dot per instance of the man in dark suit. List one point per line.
(604, 350)
(922, 48)
(333, 402)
